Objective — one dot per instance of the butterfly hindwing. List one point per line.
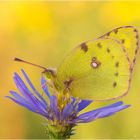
(98, 70)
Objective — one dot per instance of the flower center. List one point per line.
(63, 100)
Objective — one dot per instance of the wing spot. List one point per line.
(94, 58)
(95, 63)
(84, 47)
(114, 84)
(117, 64)
(112, 56)
(99, 45)
(116, 74)
(108, 50)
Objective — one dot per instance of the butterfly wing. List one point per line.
(128, 35)
(98, 70)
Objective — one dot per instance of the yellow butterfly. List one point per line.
(100, 69)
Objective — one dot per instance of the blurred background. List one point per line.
(43, 33)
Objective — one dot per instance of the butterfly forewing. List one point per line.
(98, 70)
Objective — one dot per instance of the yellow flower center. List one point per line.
(63, 100)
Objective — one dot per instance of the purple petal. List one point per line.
(23, 88)
(33, 88)
(29, 107)
(44, 86)
(24, 104)
(53, 105)
(27, 94)
(83, 104)
(113, 105)
(39, 108)
(105, 113)
(102, 108)
(101, 112)
(111, 111)
(39, 104)
(67, 111)
(73, 100)
(18, 97)
(84, 120)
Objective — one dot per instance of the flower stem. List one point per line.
(59, 131)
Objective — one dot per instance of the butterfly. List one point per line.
(100, 69)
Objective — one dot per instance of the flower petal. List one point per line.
(27, 94)
(111, 111)
(29, 107)
(101, 112)
(105, 113)
(44, 86)
(22, 103)
(18, 97)
(23, 88)
(67, 111)
(53, 105)
(102, 108)
(83, 104)
(119, 103)
(33, 88)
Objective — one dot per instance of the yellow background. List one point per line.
(43, 33)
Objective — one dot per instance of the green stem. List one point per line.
(59, 131)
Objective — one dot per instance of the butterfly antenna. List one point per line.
(23, 61)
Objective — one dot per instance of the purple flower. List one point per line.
(59, 110)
